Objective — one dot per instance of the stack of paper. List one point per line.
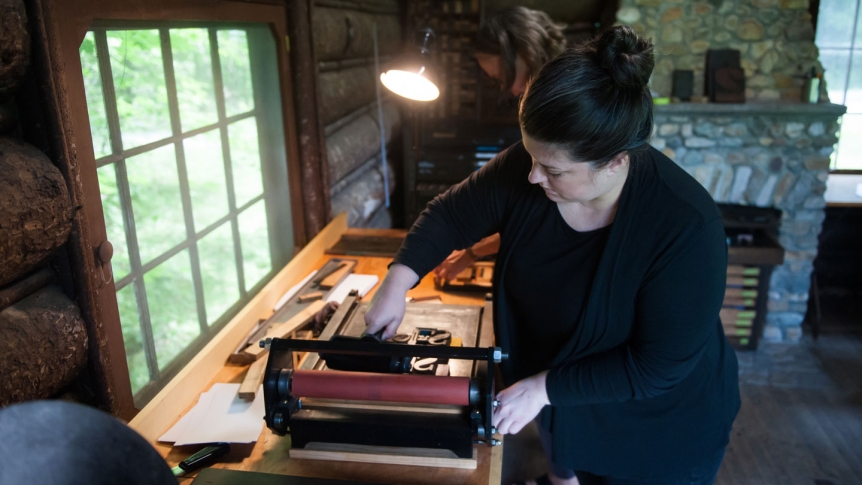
(220, 416)
(361, 282)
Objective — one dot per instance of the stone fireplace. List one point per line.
(766, 155)
(772, 151)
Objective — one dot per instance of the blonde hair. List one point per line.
(520, 30)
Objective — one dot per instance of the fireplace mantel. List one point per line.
(743, 109)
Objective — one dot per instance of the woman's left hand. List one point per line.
(520, 403)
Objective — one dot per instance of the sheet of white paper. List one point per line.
(361, 282)
(176, 432)
(221, 416)
(292, 291)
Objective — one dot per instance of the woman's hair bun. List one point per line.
(628, 58)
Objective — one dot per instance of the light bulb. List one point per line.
(410, 85)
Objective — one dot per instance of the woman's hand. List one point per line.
(520, 403)
(457, 262)
(388, 305)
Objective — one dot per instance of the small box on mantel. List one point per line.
(724, 77)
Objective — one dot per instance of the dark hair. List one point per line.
(593, 101)
(519, 30)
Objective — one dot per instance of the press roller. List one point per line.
(366, 386)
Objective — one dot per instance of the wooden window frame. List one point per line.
(814, 9)
(62, 25)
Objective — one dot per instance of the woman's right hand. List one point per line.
(388, 304)
(457, 262)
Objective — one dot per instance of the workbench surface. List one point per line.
(270, 453)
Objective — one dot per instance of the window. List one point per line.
(839, 39)
(189, 147)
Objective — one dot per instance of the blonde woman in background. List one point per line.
(511, 47)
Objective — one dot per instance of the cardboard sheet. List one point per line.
(220, 416)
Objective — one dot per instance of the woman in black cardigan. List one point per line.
(608, 283)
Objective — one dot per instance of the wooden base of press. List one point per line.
(384, 455)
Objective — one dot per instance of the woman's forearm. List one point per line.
(488, 246)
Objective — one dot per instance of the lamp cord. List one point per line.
(380, 115)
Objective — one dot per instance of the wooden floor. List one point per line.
(800, 421)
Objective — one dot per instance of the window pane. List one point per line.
(851, 7)
(835, 23)
(235, 71)
(173, 310)
(207, 186)
(853, 99)
(132, 338)
(849, 143)
(245, 160)
(114, 220)
(835, 65)
(156, 201)
(139, 81)
(254, 238)
(194, 76)
(95, 99)
(218, 269)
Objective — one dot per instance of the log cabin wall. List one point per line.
(342, 33)
(46, 350)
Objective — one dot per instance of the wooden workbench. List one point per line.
(270, 454)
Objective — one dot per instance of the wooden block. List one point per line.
(336, 276)
(738, 303)
(310, 297)
(740, 323)
(737, 332)
(741, 281)
(730, 314)
(740, 293)
(467, 274)
(384, 455)
(484, 273)
(740, 270)
(281, 331)
(252, 380)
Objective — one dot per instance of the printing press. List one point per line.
(431, 386)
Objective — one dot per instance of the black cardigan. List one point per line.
(647, 384)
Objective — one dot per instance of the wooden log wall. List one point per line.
(44, 342)
(35, 209)
(344, 49)
(43, 337)
(14, 46)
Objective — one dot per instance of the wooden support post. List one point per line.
(315, 178)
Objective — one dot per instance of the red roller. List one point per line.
(366, 386)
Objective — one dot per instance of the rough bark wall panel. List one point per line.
(358, 141)
(44, 346)
(14, 45)
(344, 33)
(344, 91)
(363, 198)
(35, 209)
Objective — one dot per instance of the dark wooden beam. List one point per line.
(315, 183)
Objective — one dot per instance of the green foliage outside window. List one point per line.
(161, 275)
